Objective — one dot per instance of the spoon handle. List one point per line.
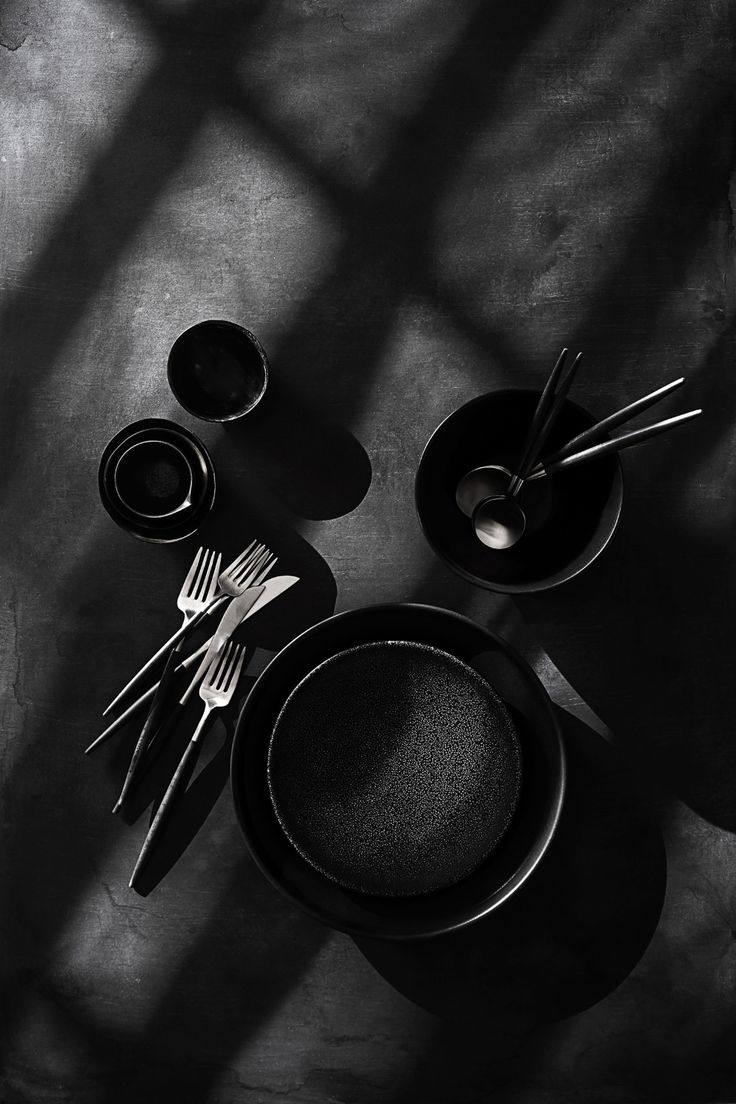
(554, 410)
(605, 448)
(540, 413)
(600, 430)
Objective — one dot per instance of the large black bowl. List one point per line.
(571, 516)
(500, 874)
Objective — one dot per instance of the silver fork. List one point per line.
(280, 583)
(216, 692)
(196, 594)
(231, 582)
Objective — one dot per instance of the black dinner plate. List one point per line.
(394, 768)
(518, 849)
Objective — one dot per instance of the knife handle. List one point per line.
(161, 736)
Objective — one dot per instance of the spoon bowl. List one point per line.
(569, 520)
(484, 482)
(499, 521)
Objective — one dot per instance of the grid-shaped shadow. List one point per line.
(384, 252)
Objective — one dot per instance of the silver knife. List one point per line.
(272, 588)
(236, 612)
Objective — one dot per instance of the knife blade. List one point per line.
(236, 612)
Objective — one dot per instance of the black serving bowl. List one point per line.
(174, 527)
(571, 516)
(500, 874)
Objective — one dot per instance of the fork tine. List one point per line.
(240, 558)
(236, 676)
(265, 571)
(225, 675)
(211, 588)
(246, 574)
(204, 580)
(218, 665)
(197, 594)
(215, 682)
(245, 569)
(195, 589)
(193, 572)
(230, 677)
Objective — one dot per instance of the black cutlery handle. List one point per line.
(152, 722)
(181, 772)
(162, 734)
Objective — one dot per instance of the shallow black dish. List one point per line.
(159, 530)
(500, 873)
(394, 768)
(217, 370)
(571, 516)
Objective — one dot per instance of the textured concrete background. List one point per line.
(410, 204)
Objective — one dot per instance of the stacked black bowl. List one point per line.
(156, 480)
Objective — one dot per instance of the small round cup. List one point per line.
(570, 516)
(218, 371)
(153, 478)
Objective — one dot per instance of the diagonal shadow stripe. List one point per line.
(151, 142)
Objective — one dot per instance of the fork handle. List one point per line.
(599, 431)
(152, 722)
(188, 625)
(123, 719)
(540, 412)
(190, 753)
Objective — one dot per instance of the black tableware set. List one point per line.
(156, 478)
(397, 770)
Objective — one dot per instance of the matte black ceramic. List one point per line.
(176, 526)
(217, 370)
(570, 516)
(153, 478)
(499, 875)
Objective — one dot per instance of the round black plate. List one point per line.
(571, 516)
(500, 873)
(159, 530)
(394, 768)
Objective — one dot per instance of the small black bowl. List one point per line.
(217, 370)
(571, 516)
(130, 515)
(508, 865)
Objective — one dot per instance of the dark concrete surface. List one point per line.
(409, 204)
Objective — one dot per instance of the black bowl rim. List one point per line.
(153, 535)
(563, 576)
(261, 354)
(505, 891)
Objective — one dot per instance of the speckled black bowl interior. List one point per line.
(486, 879)
(571, 516)
(394, 768)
